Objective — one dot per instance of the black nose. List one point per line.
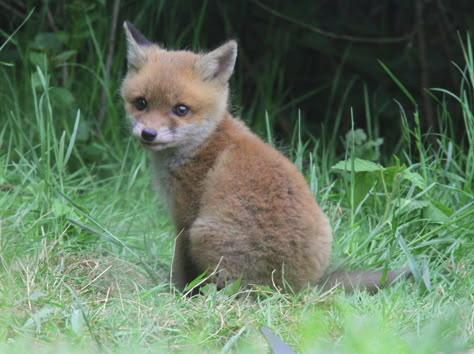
(149, 134)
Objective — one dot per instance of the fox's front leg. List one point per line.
(183, 269)
(178, 267)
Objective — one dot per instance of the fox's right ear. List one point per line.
(136, 57)
(218, 64)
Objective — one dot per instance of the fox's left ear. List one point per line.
(218, 64)
(136, 57)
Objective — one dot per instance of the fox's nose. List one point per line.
(149, 134)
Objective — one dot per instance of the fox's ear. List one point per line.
(136, 57)
(218, 64)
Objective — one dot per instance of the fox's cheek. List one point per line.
(137, 127)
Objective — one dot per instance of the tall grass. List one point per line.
(85, 251)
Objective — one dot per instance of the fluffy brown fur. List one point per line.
(235, 201)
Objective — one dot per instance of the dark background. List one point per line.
(316, 59)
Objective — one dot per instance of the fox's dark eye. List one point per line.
(140, 103)
(180, 110)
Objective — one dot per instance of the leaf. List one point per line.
(356, 137)
(359, 166)
(196, 281)
(363, 183)
(233, 288)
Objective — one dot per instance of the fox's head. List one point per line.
(174, 98)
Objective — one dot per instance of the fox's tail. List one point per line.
(371, 281)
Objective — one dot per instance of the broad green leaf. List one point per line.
(196, 281)
(359, 166)
(233, 288)
(356, 136)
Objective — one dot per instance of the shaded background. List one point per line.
(313, 59)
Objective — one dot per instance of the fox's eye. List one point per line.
(140, 103)
(180, 110)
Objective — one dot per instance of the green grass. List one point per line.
(85, 249)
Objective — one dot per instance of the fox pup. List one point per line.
(237, 204)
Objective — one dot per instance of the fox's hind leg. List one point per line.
(221, 252)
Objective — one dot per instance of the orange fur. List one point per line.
(234, 200)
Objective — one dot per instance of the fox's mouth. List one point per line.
(153, 145)
(151, 138)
